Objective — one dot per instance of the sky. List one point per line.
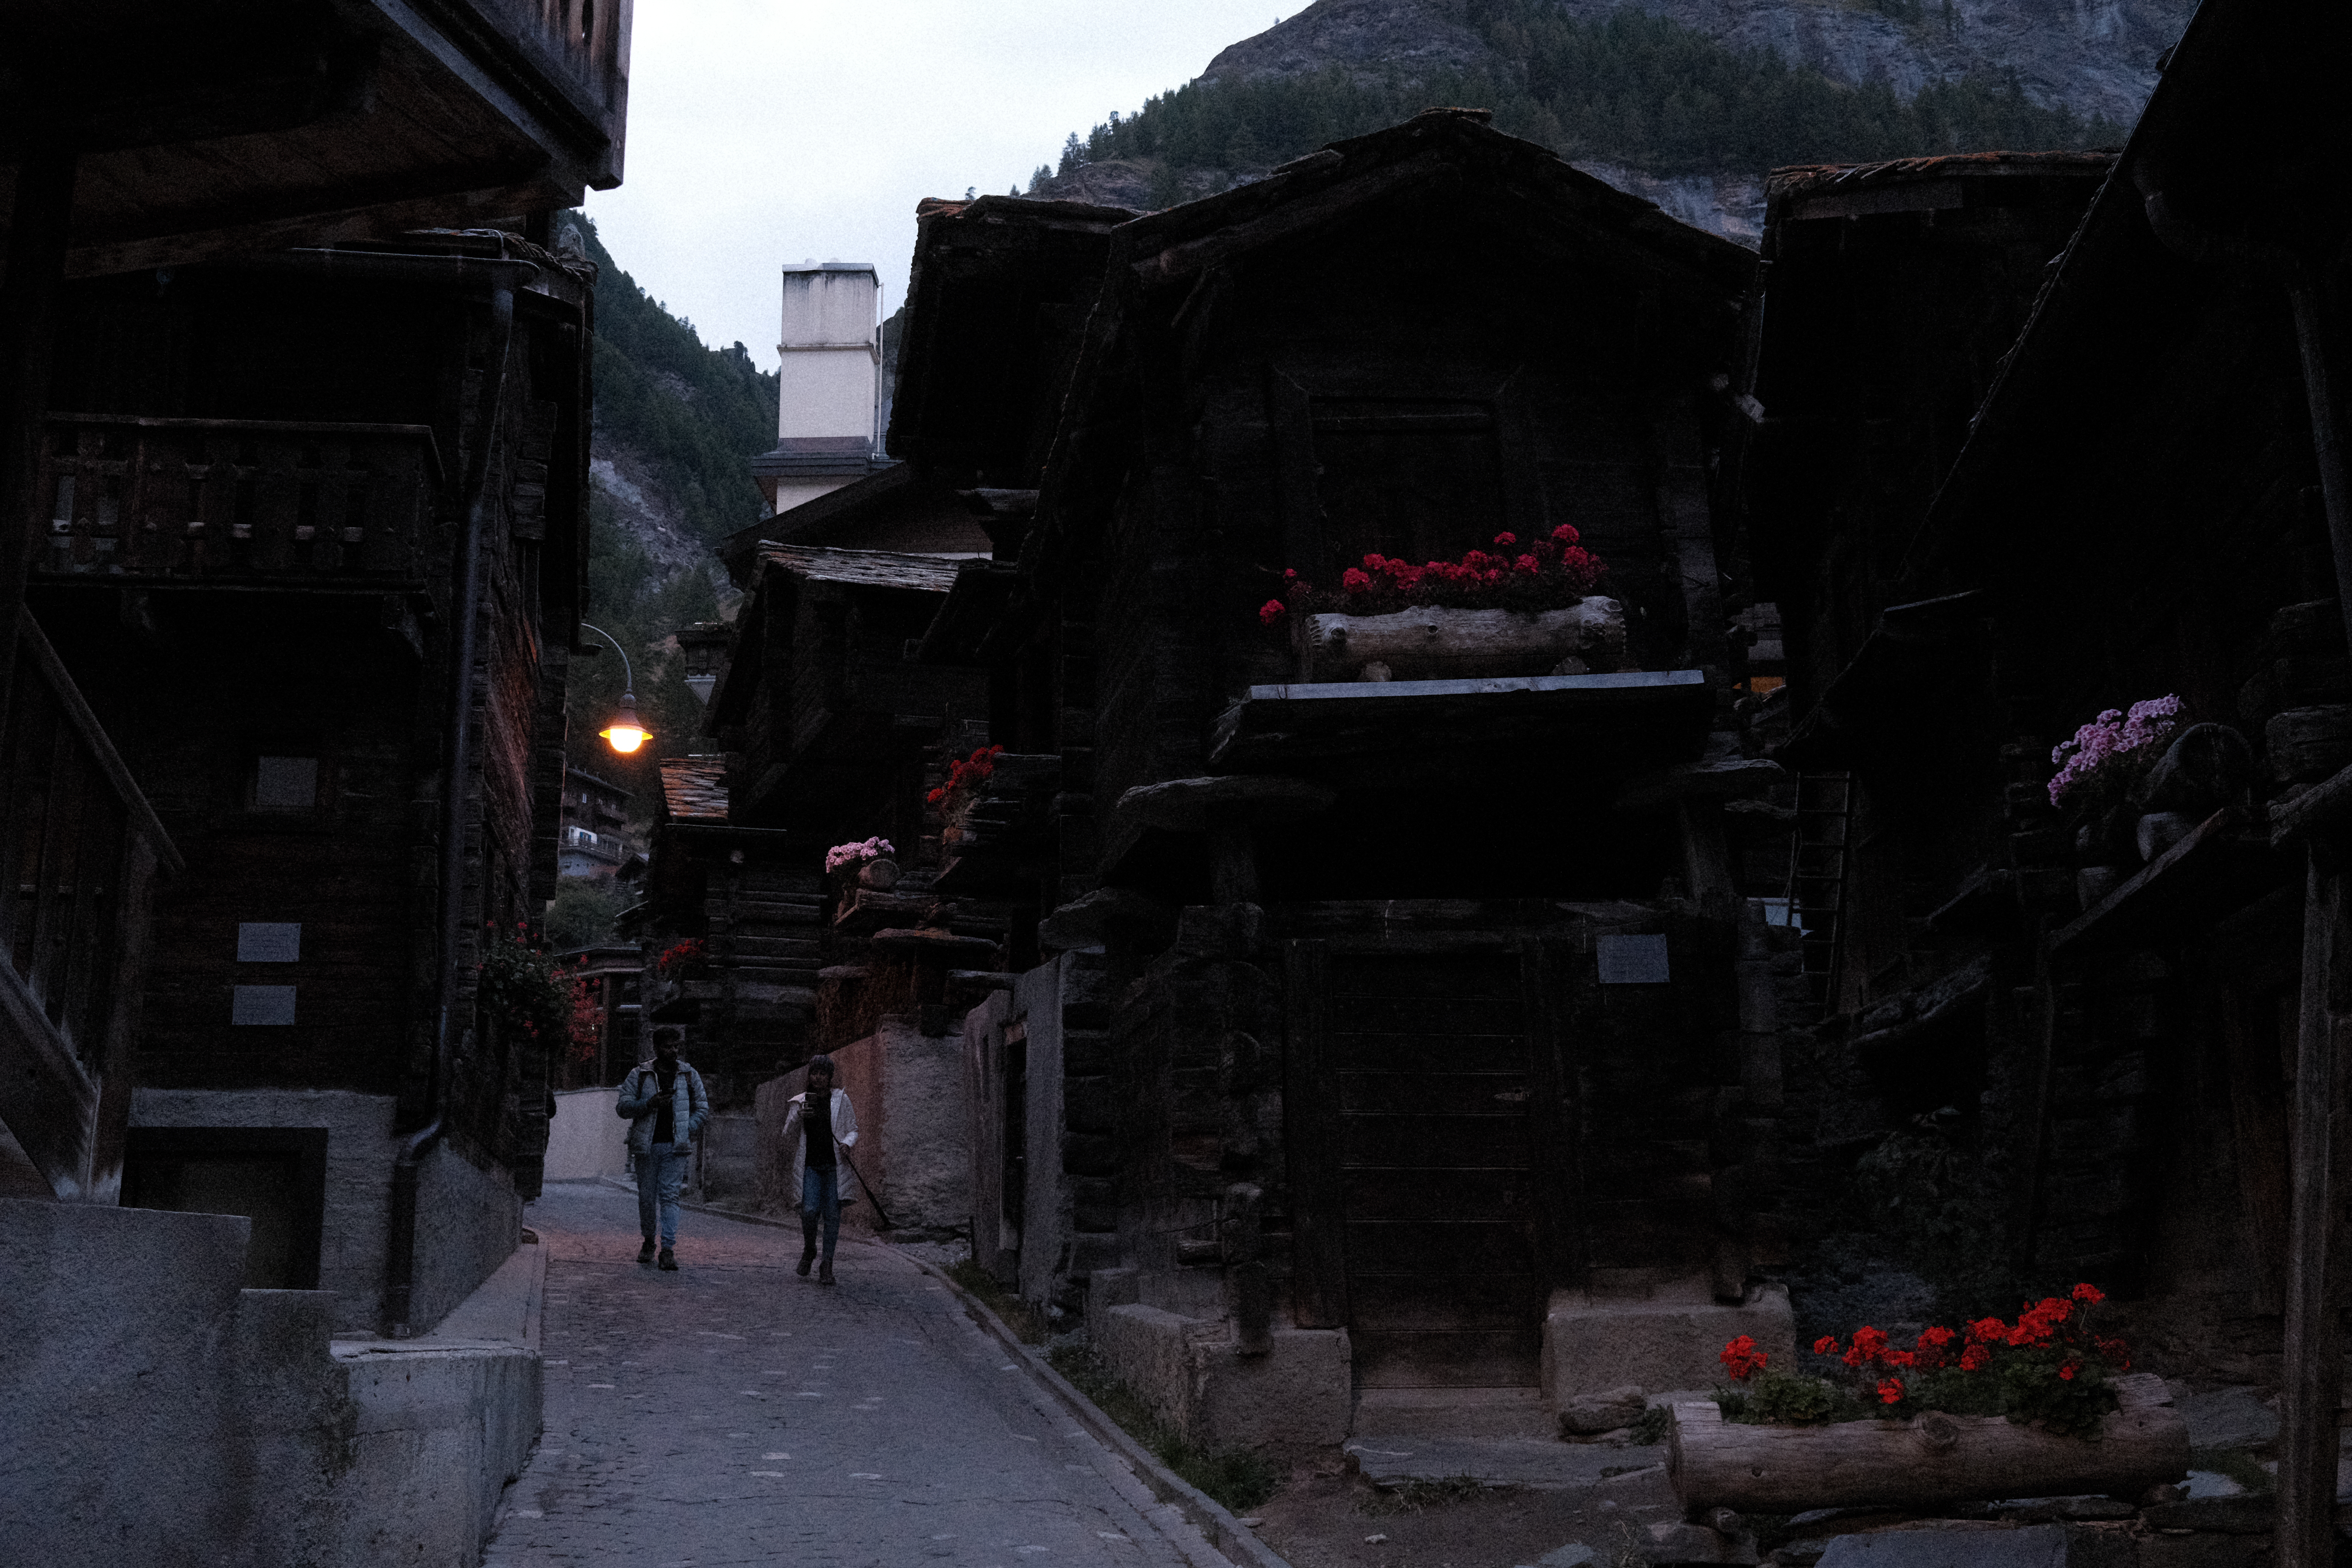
(763, 132)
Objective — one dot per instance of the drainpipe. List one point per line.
(456, 760)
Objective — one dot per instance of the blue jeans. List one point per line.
(821, 1199)
(661, 1172)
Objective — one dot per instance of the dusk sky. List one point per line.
(763, 132)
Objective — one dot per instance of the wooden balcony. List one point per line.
(79, 853)
(129, 500)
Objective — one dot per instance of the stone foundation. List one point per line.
(1671, 1338)
(1187, 1372)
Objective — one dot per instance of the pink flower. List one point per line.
(1355, 582)
(1270, 612)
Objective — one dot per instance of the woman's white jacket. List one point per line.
(845, 1137)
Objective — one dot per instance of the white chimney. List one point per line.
(829, 391)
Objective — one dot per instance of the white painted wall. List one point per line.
(830, 352)
(586, 1139)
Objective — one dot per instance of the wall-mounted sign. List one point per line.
(261, 1005)
(1632, 960)
(268, 942)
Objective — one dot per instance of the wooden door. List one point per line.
(1423, 1189)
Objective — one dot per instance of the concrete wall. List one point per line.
(360, 1150)
(586, 1139)
(1667, 1338)
(468, 1221)
(728, 1157)
(183, 1421)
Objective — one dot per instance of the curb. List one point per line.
(1207, 1515)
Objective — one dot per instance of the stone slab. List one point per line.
(2226, 1417)
(2035, 1546)
(1536, 1464)
(1590, 1345)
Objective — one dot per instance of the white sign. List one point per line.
(1632, 960)
(269, 941)
(261, 1005)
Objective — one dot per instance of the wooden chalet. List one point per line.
(2119, 1012)
(1385, 1032)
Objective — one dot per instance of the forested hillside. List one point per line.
(1626, 90)
(675, 424)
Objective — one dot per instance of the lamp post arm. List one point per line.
(628, 680)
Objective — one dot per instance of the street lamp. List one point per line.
(625, 733)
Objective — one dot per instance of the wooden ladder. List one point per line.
(1817, 874)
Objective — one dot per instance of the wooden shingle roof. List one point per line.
(865, 568)
(694, 789)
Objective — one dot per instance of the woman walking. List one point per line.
(827, 1124)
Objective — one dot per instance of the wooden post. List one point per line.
(2314, 1357)
(28, 313)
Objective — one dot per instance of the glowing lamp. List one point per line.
(625, 733)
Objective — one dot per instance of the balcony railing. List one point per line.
(217, 500)
(80, 852)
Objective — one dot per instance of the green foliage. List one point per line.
(1239, 1478)
(2035, 1389)
(1651, 1428)
(582, 911)
(1629, 89)
(1778, 1399)
(1928, 1193)
(518, 987)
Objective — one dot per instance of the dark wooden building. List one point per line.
(593, 837)
(2030, 440)
(1387, 1032)
(255, 512)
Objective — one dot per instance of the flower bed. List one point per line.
(2109, 756)
(1522, 612)
(1991, 1409)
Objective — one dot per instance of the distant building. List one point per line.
(828, 401)
(590, 841)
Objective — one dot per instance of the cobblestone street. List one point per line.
(733, 1413)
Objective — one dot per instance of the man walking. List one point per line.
(664, 1101)
(827, 1124)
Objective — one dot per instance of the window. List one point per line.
(1420, 479)
(284, 784)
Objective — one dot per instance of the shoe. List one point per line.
(806, 1259)
(668, 1264)
(646, 1253)
(824, 1272)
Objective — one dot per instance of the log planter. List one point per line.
(1930, 1460)
(1431, 643)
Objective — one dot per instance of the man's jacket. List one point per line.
(640, 1101)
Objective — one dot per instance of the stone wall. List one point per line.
(914, 1127)
(468, 1221)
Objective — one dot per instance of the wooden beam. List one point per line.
(2314, 1379)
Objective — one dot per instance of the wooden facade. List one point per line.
(249, 518)
(2027, 439)
(1340, 1035)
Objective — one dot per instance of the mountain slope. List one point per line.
(675, 424)
(1685, 102)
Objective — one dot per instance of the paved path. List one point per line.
(733, 1413)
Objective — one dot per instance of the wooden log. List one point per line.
(1932, 1458)
(1436, 644)
(2306, 745)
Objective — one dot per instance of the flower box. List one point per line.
(1930, 1460)
(1437, 643)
